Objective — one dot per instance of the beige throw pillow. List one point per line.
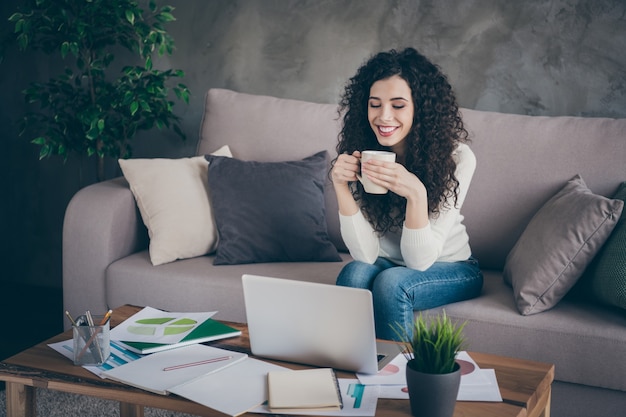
(558, 244)
(173, 199)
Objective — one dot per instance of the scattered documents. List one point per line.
(233, 383)
(162, 371)
(476, 384)
(306, 389)
(231, 386)
(233, 390)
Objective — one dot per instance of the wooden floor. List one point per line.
(29, 315)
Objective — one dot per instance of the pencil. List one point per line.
(69, 316)
(106, 317)
(187, 365)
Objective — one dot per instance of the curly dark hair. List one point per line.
(436, 131)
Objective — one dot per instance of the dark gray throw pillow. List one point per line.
(558, 244)
(607, 273)
(270, 211)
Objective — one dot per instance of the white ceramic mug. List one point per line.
(368, 185)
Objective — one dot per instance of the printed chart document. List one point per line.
(119, 356)
(314, 389)
(358, 400)
(160, 372)
(151, 330)
(476, 384)
(233, 390)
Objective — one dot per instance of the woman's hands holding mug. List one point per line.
(394, 177)
(391, 176)
(346, 168)
(376, 174)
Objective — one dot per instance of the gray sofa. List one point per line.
(522, 162)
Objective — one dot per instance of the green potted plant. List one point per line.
(95, 108)
(432, 373)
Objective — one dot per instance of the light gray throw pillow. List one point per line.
(558, 244)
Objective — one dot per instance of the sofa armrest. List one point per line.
(101, 225)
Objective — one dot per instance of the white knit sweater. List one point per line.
(443, 239)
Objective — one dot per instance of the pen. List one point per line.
(187, 365)
(89, 318)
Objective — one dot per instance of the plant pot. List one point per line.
(433, 395)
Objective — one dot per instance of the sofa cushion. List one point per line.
(172, 196)
(199, 285)
(607, 272)
(585, 342)
(270, 211)
(558, 244)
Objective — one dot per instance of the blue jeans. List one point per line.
(397, 290)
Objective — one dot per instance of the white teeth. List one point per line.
(386, 129)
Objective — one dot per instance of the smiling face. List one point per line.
(390, 112)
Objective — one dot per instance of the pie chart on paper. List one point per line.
(388, 370)
(466, 367)
(161, 326)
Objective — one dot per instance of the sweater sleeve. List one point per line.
(359, 237)
(420, 248)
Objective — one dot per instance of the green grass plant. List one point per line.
(433, 346)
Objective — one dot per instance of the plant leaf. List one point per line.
(130, 16)
(134, 106)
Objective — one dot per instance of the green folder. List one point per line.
(205, 332)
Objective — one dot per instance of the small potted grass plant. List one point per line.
(432, 373)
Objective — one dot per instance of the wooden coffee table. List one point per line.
(525, 385)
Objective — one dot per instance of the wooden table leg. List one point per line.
(20, 400)
(546, 411)
(543, 405)
(131, 410)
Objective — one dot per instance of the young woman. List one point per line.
(410, 246)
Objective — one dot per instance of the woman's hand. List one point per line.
(346, 168)
(394, 177)
(344, 171)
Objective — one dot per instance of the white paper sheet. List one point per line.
(150, 372)
(481, 392)
(233, 390)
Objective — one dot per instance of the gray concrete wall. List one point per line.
(538, 57)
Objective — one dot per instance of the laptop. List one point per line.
(315, 324)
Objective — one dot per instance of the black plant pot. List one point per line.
(433, 395)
